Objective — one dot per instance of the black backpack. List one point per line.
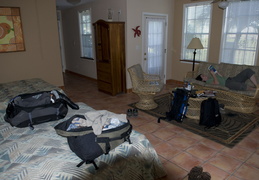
(178, 107)
(88, 146)
(210, 114)
(26, 110)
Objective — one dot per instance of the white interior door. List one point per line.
(154, 55)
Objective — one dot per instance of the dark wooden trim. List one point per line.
(172, 81)
(80, 75)
(87, 58)
(129, 90)
(62, 87)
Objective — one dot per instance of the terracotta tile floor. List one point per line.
(178, 149)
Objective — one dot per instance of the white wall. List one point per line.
(99, 10)
(131, 13)
(135, 9)
(41, 59)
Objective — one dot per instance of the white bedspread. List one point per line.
(43, 154)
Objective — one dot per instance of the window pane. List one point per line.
(240, 34)
(86, 34)
(196, 24)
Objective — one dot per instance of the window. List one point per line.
(196, 23)
(239, 44)
(86, 34)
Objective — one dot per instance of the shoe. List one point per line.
(195, 173)
(135, 112)
(205, 176)
(129, 112)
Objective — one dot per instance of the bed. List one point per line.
(43, 154)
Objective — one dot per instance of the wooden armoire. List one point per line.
(110, 56)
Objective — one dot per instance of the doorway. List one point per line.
(61, 43)
(155, 44)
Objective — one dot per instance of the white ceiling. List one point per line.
(63, 4)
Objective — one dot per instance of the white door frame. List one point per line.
(144, 14)
(61, 41)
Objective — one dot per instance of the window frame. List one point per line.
(199, 35)
(82, 46)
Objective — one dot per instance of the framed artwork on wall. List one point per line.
(11, 34)
(110, 14)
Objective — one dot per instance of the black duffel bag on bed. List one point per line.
(87, 145)
(26, 110)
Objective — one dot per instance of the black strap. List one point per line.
(158, 120)
(88, 162)
(96, 167)
(107, 140)
(80, 164)
(30, 123)
(128, 139)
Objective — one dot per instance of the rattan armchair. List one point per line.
(146, 86)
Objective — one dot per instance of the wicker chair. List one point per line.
(146, 86)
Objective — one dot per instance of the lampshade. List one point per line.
(195, 44)
(74, 2)
(223, 4)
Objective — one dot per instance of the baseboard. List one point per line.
(172, 81)
(62, 87)
(169, 81)
(80, 75)
(129, 90)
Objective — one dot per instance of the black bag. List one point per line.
(178, 107)
(34, 108)
(88, 146)
(210, 114)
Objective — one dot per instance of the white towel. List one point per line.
(98, 119)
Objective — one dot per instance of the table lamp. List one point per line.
(194, 44)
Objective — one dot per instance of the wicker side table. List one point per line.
(194, 107)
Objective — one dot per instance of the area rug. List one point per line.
(234, 127)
